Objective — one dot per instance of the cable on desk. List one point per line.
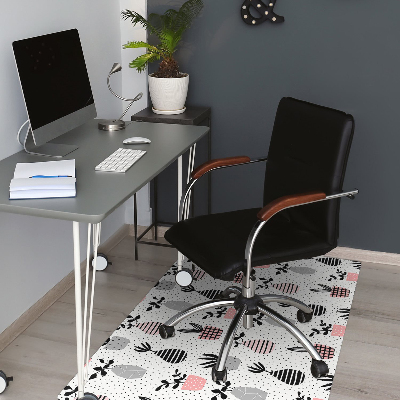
(20, 129)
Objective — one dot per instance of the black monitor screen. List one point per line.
(53, 76)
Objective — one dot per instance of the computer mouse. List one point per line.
(136, 140)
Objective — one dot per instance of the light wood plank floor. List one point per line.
(42, 359)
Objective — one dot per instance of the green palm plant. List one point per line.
(168, 28)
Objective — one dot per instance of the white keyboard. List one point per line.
(121, 160)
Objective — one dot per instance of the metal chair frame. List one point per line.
(246, 301)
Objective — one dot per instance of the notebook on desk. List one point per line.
(43, 180)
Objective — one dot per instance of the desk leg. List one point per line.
(78, 308)
(135, 226)
(84, 325)
(186, 209)
(180, 187)
(209, 159)
(192, 154)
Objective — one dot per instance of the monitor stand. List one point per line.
(48, 149)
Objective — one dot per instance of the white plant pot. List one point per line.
(168, 95)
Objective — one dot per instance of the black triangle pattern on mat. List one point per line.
(265, 362)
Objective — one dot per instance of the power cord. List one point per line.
(20, 129)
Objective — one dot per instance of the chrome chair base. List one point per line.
(246, 308)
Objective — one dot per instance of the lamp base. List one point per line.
(110, 125)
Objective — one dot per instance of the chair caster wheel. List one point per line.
(219, 375)
(319, 368)
(4, 381)
(166, 331)
(89, 396)
(184, 277)
(225, 295)
(222, 296)
(101, 262)
(304, 317)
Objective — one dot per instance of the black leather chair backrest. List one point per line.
(309, 149)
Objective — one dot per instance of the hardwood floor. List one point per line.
(43, 358)
(369, 362)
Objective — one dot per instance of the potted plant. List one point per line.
(168, 86)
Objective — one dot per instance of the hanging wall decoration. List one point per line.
(266, 12)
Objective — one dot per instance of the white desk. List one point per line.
(98, 195)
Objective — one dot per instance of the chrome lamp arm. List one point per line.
(117, 124)
(136, 98)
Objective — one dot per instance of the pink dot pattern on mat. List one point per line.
(194, 382)
(210, 333)
(351, 276)
(338, 330)
(339, 292)
(198, 274)
(230, 313)
(238, 277)
(151, 328)
(263, 266)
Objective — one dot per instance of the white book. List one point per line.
(47, 168)
(41, 194)
(43, 180)
(42, 183)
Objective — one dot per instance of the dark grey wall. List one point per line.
(343, 54)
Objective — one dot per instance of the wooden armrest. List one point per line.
(218, 162)
(288, 201)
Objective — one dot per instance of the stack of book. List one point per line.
(43, 180)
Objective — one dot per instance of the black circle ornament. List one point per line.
(266, 12)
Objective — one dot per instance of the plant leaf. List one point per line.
(136, 18)
(139, 44)
(140, 63)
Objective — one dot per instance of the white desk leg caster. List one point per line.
(4, 381)
(102, 262)
(184, 277)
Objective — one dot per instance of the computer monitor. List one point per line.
(56, 88)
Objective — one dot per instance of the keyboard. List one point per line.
(121, 160)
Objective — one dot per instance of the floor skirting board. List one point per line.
(34, 312)
(377, 257)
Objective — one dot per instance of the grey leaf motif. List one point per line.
(129, 371)
(177, 305)
(117, 343)
(232, 363)
(165, 285)
(248, 393)
(303, 270)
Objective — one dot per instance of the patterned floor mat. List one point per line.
(265, 362)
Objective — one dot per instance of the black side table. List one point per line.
(192, 116)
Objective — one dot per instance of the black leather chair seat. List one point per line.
(216, 243)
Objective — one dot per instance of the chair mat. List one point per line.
(265, 362)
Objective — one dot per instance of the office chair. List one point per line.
(303, 182)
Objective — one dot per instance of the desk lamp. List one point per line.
(117, 124)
